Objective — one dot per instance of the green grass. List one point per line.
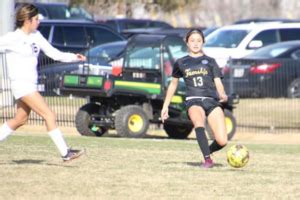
(273, 113)
(119, 168)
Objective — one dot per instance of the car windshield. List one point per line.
(79, 13)
(176, 46)
(145, 57)
(270, 51)
(225, 38)
(106, 52)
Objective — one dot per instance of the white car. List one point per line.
(237, 41)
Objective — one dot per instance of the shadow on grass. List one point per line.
(194, 164)
(198, 164)
(28, 161)
(147, 136)
(35, 162)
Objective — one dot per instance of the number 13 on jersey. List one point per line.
(198, 81)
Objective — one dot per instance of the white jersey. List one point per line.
(22, 52)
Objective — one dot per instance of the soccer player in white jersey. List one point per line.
(22, 48)
(204, 94)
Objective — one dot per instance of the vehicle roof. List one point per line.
(263, 20)
(291, 43)
(267, 50)
(132, 19)
(149, 39)
(111, 44)
(49, 4)
(69, 21)
(261, 26)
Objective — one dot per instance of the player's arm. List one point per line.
(170, 92)
(220, 89)
(55, 54)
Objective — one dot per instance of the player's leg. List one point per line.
(37, 103)
(20, 119)
(216, 121)
(197, 115)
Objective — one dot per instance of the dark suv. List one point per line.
(77, 36)
(60, 11)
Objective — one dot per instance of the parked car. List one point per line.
(100, 60)
(120, 25)
(271, 71)
(237, 41)
(61, 11)
(209, 30)
(77, 35)
(261, 20)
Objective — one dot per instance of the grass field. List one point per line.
(277, 113)
(119, 168)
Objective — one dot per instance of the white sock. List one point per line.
(5, 131)
(59, 141)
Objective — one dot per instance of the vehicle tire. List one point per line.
(83, 121)
(294, 89)
(131, 121)
(230, 126)
(178, 131)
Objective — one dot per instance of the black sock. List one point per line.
(214, 146)
(203, 142)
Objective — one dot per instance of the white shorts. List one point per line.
(22, 88)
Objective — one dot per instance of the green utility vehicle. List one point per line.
(129, 101)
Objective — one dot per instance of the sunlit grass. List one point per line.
(119, 168)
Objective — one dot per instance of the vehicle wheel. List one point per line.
(294, 89)
(230, 126)
(131, 121)
(83, 121)
(178, 131)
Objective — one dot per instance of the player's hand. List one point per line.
(164, 114)
(223, 98)
(81, 57)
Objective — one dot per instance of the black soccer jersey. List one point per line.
(198, 74)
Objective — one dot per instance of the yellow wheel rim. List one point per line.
(135, 123)
(229, 125)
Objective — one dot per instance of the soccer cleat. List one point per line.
(72, 154)
(208, 163)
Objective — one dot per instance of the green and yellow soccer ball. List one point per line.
(238, 156)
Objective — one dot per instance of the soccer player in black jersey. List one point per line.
(204, 94)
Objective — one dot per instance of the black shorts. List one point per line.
(208, 104)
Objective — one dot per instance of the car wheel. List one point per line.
(294, 89)
(83, 121)
(131, 121)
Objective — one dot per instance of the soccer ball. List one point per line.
(237, 156)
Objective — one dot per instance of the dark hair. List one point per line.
(25, 11)
(191, 31)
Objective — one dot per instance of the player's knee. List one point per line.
(223, 142)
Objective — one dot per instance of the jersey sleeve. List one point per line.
(54, 53)
(177, 73)
(217, 73)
